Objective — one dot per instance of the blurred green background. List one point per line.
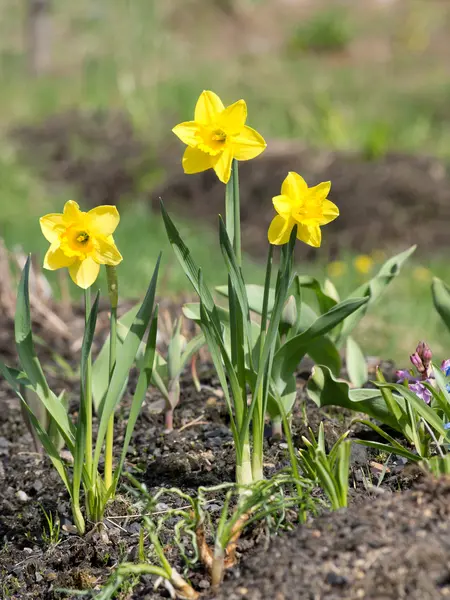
(364, 75)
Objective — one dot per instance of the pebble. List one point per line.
(204, 584)
(335, 579)
(22, 496)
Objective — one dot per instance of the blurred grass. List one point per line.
(383, 87)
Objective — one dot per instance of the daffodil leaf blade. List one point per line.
(143, 382)
(100, 368)
(289, 355)
(30, 362)
(186, 260)
(125, 360)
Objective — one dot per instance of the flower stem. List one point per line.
(109, 439)
(233, 211)
(258, 440)
(88, 391)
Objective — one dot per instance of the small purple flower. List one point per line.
(446, 367)
(447, 426)
(404, 374)
(421, 391)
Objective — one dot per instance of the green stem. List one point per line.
(88, 391)
(258, 438)
(109, 439)
(244, 466)
(233, 211)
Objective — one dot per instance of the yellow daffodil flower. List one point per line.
(308, 208)
(216, 136)
(81, 241)
(363, 264)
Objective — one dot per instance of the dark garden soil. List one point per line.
(393, 547)
(100, 155)
(331, 549)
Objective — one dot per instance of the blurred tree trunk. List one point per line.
(38, 35)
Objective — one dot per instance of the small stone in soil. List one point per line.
(22, 496)
(335, 579)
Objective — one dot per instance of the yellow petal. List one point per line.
(56, 259)
(222, 165)
(232, 119)
(280, 230)
(72, 212)
(196, 161)
(248, 144)
(106, 252)
(310, 234)
(103, 220)
(294, 186)
(52, 225)
(84, 272)
(321, 191)
(208, 107)
(187, 132)
(329, 212)
(283, 205)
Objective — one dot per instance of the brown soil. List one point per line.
(198, 452)
(390, 548)
(406, 197)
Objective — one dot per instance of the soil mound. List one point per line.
(393, 548)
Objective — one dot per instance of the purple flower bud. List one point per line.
(421, 359)
(421, 391)
(417, 362)
(446, 367)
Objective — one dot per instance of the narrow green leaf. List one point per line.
(125, 361)
(82, 425)
(425, 411)
(29, 360)
(100, 368)
(143, 382)
(390, 449)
